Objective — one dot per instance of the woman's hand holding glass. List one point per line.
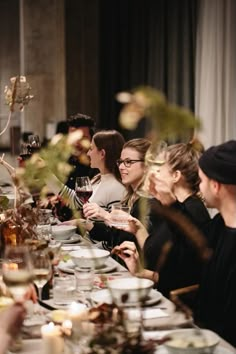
(161, 189)
(93, 210)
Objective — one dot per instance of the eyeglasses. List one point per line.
(127, 162)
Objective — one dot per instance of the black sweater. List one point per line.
(182, 266)
(217, 293)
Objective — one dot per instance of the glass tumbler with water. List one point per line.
(119, 215)
(84, 278)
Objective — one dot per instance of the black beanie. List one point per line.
(219, 162)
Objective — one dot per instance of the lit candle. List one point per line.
(76, 313)
(67, 327)
(52, 340)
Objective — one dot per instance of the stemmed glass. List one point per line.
(83, 188)
(155, 157)
(17, 270)
(33, 143)
(24, 152)
(42, 270)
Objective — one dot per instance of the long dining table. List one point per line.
(160, 315)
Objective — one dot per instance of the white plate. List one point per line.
(73, 239)
(219, 350)
(69, 248)
(104, 295)
(68, 267)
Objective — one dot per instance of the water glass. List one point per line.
(119, 215)
(84, 278)
(63, 290)
(44, 232)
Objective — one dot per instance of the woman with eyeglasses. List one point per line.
(105, 149)
(132, 170)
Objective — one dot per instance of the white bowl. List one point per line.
(191, 341)
(63, 232)
(131, 289)
(89, 257)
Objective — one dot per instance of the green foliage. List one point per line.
(167, 120)
(50, 160)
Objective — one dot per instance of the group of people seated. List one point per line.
(174, 242)
(170, 237)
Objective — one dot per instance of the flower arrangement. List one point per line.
(17, 95)
(168, 120)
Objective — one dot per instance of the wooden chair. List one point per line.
(185, 298)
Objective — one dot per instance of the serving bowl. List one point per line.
(63, 232)
(130, 289)
(89, 257)
(191, 341)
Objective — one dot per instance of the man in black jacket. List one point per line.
(217, 297)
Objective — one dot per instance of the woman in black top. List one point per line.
(174, 184)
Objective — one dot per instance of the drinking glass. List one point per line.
(119, 215)
(44, 232)
(63, 290)
(156, 156)
(17, 270)
(33, 143)
(84, 278)
(42, 270)
(83, 188)
(24, 152)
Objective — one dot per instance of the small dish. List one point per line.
(73, 239)
(104, 296)
(68, 267)
(63, 232)
(191, 341)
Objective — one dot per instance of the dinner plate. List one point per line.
(73, 239)
(219, 350)
(104, 295)
(68, 267)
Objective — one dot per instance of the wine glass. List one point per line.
(42, 270)
(24, 152)
(83, 188)
(17, 270)
(155, 157)
(33, 143)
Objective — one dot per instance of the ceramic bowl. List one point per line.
(130, 289)
(63, 232)
(89, 257)
(191, 341)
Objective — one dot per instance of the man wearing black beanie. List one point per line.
(217, 296)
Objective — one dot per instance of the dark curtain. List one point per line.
(146, 42)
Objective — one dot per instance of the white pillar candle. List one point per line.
(76, 313)
(52, 341)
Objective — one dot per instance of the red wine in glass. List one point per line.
(83, 188)
(83, 195)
